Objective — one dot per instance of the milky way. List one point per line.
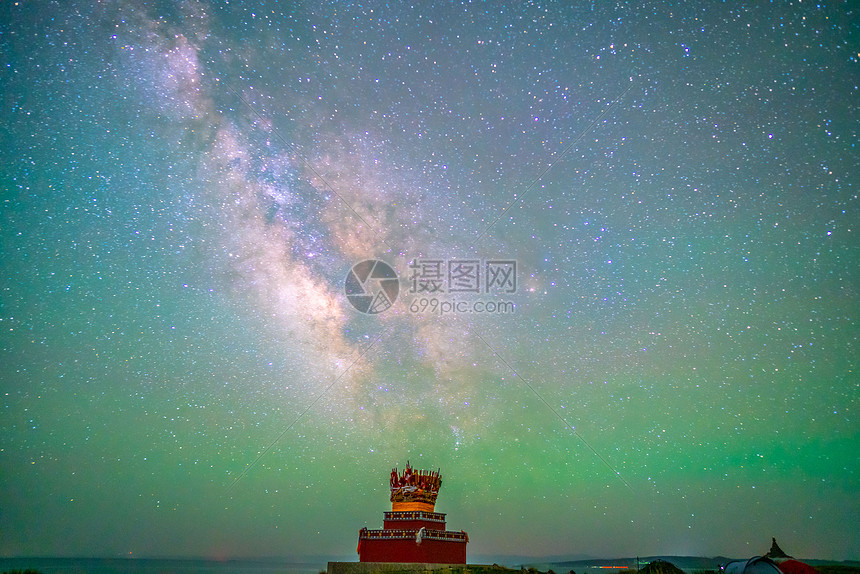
(186, 187)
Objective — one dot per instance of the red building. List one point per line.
(412, 531)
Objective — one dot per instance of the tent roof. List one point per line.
(796, 567)
(755, 565)
(661, 567)
(775, 551)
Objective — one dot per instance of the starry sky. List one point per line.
(185, 186)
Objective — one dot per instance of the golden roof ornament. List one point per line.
(414, 489)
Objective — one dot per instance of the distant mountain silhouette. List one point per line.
(689, 563)
(683, 562)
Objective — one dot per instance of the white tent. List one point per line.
(755, 565)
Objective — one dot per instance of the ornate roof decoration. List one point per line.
(413, 485)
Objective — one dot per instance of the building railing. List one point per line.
(416, 515)
(410, 535)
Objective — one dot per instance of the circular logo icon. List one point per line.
(372, 286)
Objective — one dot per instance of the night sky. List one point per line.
(185, 187)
